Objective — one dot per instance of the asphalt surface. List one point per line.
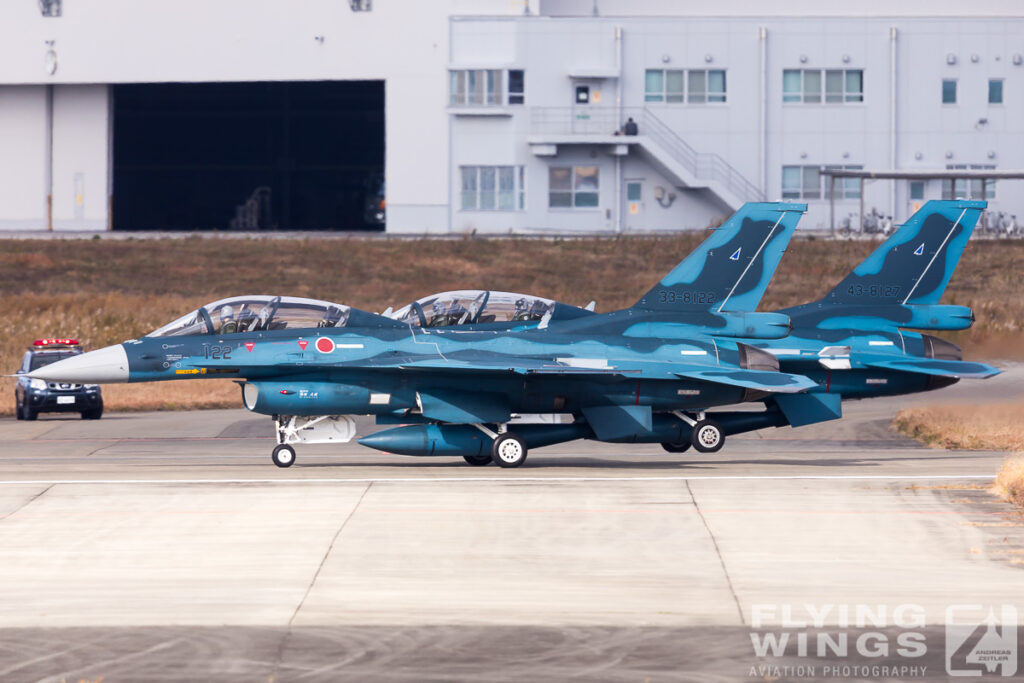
(166, 546)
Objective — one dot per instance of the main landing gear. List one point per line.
(508, 450)
(706, 435)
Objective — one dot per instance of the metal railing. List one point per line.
(609, 121)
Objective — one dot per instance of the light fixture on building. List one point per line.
(918, 156)
(803, 59)
(663, 198)
(319, 39)
(846, 59)
(803, 155)
(665, 59)
(1018, 59)
(949, 155)
(708, 58)
(991, 154)
(50, 58)
(951, 59)
(975, 58)
(846, 155)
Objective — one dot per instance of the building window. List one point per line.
(968, 188)
(995, 91)
(801, 182)
(695, 86)
(916, 190)
(516, 86)
(485, 87)
(573, 187)
(841, 86)
(949, 91)
(493, 188)
(633, 192)
(846, 188)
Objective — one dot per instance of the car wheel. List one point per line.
(94, 414)
(29, 413)
(508, 450)
(18, 415)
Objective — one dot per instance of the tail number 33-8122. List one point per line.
(216, 352)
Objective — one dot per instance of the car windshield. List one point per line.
(41, 359)
(474, 306)
(256, 314)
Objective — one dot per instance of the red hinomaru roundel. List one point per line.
(324, 345)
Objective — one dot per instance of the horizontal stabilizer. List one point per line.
(933, 366)
(805, 409)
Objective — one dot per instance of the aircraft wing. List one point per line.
(933, 366)
(596, 368)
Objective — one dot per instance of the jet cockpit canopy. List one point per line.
(256, 313)
(472, 307)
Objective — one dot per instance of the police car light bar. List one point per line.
(55, 342)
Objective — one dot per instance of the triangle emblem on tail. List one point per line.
(736, 255)
(919, 250)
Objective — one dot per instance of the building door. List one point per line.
(915, 196)
(633, 204)
(586, 108)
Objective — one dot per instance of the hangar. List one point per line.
(253, 156)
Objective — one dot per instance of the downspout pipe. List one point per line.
(892, 118)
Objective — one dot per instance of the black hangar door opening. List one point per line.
(249, 156)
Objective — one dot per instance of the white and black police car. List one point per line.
(34, 396)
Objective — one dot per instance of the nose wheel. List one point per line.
(283, 456)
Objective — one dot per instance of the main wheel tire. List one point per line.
(707, 436)
(508, 450)
(283, 456)
(676, 447)
(478, 460)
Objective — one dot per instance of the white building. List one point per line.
(495, 115)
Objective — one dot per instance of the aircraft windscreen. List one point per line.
(466, 307)
(256, 314)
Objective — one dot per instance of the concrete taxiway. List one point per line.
(167, 546)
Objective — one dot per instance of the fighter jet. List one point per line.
(645, 373)
(857, 341)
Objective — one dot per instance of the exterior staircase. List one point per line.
(667, 151)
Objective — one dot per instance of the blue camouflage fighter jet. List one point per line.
(858, 341)
(643, 374)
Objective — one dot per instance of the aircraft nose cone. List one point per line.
(109, 364)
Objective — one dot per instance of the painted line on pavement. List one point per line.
(510, 479)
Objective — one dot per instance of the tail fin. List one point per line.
(730, 270)
(914, 265)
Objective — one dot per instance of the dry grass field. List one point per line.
(105, 291)
(994, 426)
